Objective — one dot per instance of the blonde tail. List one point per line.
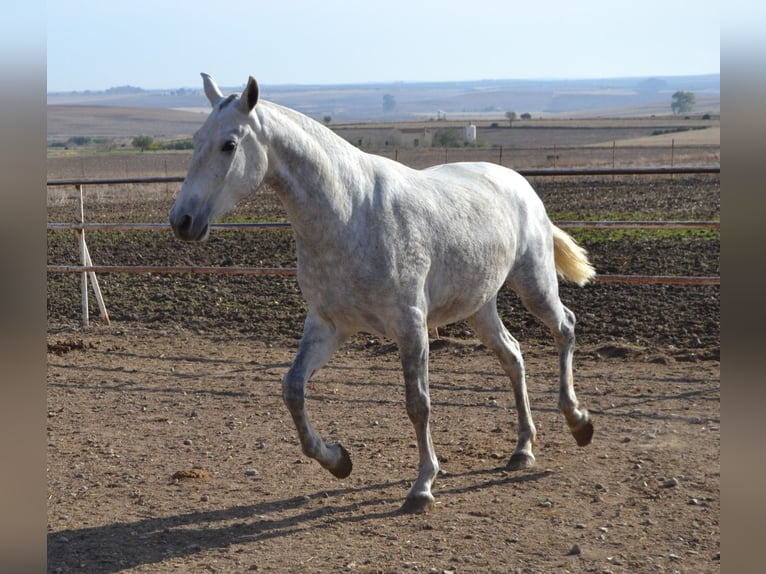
(571, 259)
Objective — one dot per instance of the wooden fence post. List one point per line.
(86, 261)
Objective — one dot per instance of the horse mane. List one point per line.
(318, 131)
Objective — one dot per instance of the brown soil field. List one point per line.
(169, 448)
(122, 123)
(601, 141)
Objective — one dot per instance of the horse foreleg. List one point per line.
(319, 342)
(413, 350)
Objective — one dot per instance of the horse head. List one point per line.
(229, 162)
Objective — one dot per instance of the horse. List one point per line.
(393, 251)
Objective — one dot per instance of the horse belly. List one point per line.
(349, 303)
(454, 298)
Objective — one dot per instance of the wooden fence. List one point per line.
(89, 270)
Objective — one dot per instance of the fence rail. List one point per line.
(88, 269)
(292, 271)
(274, 225)
(530, 172)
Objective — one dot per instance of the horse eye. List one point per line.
(229, 146)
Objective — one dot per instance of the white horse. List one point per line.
(386, 249)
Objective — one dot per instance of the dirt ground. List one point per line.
(169, 448)
(172, 451)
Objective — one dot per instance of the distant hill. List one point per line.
(486, 99)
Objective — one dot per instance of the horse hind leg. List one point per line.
(490, 329)
(539, 293)
(578, 419)
(318, 343)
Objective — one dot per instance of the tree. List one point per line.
(510, 116)
(683, 102)
(143, 142)
(389, 103)
(448, 137)
(79, 140)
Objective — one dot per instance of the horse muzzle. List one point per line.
(187, 228)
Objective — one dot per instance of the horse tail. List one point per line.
(571, 259)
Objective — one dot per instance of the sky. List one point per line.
(163, 44)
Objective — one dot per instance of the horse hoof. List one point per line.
(344, 466)
(418, 504)
(584, 433)
(521, 460)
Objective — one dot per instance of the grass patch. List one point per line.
(614, 216)
(596, 236)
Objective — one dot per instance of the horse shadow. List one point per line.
(120, 546)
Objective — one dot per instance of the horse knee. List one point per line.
(418, 406)
(293, 395)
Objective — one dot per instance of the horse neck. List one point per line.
(314, 171)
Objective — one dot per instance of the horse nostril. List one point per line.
(185, 225)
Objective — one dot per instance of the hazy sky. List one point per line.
(97, 44)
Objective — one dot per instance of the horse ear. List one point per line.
(250, 96)
(211, 89)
